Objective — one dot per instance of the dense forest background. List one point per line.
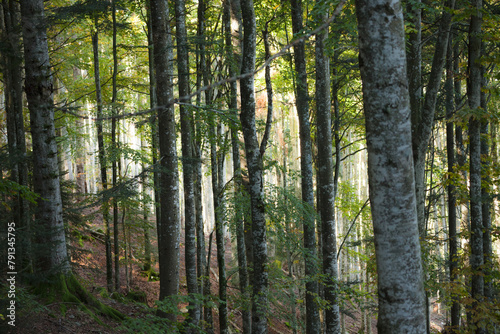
(265, 166)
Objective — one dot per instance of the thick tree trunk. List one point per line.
(169, 227)
(51, 248)
(302, 98)
(390, 167)
(186, 119)
(326, 184)
(254, 163)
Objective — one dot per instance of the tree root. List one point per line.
(69, 290)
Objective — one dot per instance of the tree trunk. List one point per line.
(232, 11)
(204, 281)
(13, 89)
(102, 157)
(476, 223)
(422, 124)
(487, 200)
(390, 167)
(327, 190)
(254, 163)
(302, 98)
(115, 154)
(145, 215)
(186, 119)
(51, 250)
(451, 190)
(169, 229)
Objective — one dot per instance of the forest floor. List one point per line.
(90, 266)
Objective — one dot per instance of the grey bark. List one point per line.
(13, 90)
(52, 255)
(116, 154)
(102, 156)
(423, 118)
(255, 167)
(145, 215)
(186, 118)
(326, 184)
(474, 84)
(169, 227)
(232, 11)
(204, 281)
(302, 104)
(487, 200)
(451, 189)
(390, 167)
(215, 160)
(154, 126)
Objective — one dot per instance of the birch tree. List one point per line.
(390, 166)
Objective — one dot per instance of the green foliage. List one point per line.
(155, 320)
(11, 188)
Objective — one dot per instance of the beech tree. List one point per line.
(382, 61)
(327, 187)
(254, 164)
(474, 83)
(187, 160)
(302, 104)
(168, 229)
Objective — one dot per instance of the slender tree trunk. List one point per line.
(254, 163)
(474, 99)
(102, 156)
(326, 184)
(13, 88)
(422, 123)
(233, 12)
(187, 162)
(451, 190)
(311, 265)
(169, 229)
(154, 125)
(51, 251)
(145, 216)
(219, 228)
(390, 167)
(203, 268)
(486, 197)
(116, 155)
